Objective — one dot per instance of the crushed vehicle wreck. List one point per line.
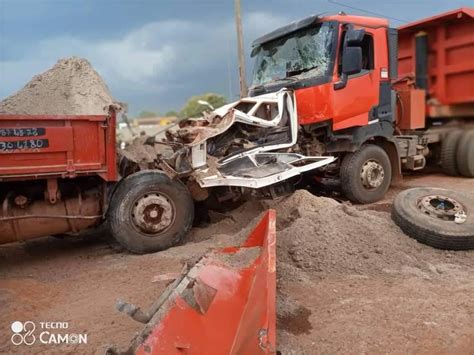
(251, 143)
(147, 196)
(247, 148)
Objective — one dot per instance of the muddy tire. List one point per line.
(449, 147)
(366, 174)
(150, 212)
(465, 154)
(428, 214)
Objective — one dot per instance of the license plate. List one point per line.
(29, 144)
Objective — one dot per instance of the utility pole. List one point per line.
(240, 50)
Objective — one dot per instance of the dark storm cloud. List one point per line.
(153, 54)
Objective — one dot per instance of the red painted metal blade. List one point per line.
(224, 305)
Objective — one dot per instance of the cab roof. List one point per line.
(311, 20)
(290, 28)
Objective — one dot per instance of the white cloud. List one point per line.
(259, 23)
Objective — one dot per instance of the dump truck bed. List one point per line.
(42, 146)
(450, 56)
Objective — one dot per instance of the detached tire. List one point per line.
(449, 147)
(150, 212)
(465, 154)
(427, 215)
(366, 174)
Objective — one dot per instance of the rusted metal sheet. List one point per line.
(195, 131)
(225, 304)
(26, 219)
(450, 56)
(412, 111)
(42, 146)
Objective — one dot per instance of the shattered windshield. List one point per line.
(302, 54)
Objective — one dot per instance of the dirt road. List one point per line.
(397, 296)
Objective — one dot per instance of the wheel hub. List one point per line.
(153, 213)
(443, 207)
(372, 174)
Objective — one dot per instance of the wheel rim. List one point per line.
(372, 174)
(153, 213)
(443, 207)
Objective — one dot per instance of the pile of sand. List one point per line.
(321, 236)
(71, 87)
(318, 236)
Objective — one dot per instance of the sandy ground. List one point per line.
(345, 293)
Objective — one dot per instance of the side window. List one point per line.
(367, 46)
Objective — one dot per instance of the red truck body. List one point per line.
(56, 170)
(40, 146)
(317, 103)
(450, 57)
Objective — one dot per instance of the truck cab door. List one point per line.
(357, 91)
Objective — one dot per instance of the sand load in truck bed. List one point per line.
(71, 87)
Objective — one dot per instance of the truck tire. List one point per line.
(366, 174)
(150, 212)
(449, 146)
(465, 154)
(428, 214)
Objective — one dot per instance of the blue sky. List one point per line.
(154, 54)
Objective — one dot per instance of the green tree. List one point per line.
(193, 108)
(147, 114)
(171, 114)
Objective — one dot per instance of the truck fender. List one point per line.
(390, 147)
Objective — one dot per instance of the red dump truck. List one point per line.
(342, 98)
(378, 98)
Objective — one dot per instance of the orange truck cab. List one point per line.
(323, 91)
(344, 72)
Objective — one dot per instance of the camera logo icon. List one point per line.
(23, 333)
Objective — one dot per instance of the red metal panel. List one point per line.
(450, 58)
(232, 307)
(412, 109)
(57, 146)
(362, 21)
(350, 106)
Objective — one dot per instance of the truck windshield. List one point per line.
(299, 55)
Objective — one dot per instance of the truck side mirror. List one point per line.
(352, 60)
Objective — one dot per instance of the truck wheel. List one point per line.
(465, 154)
(150, 212)
(366, 174)
(440, 218)
(449, 146)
